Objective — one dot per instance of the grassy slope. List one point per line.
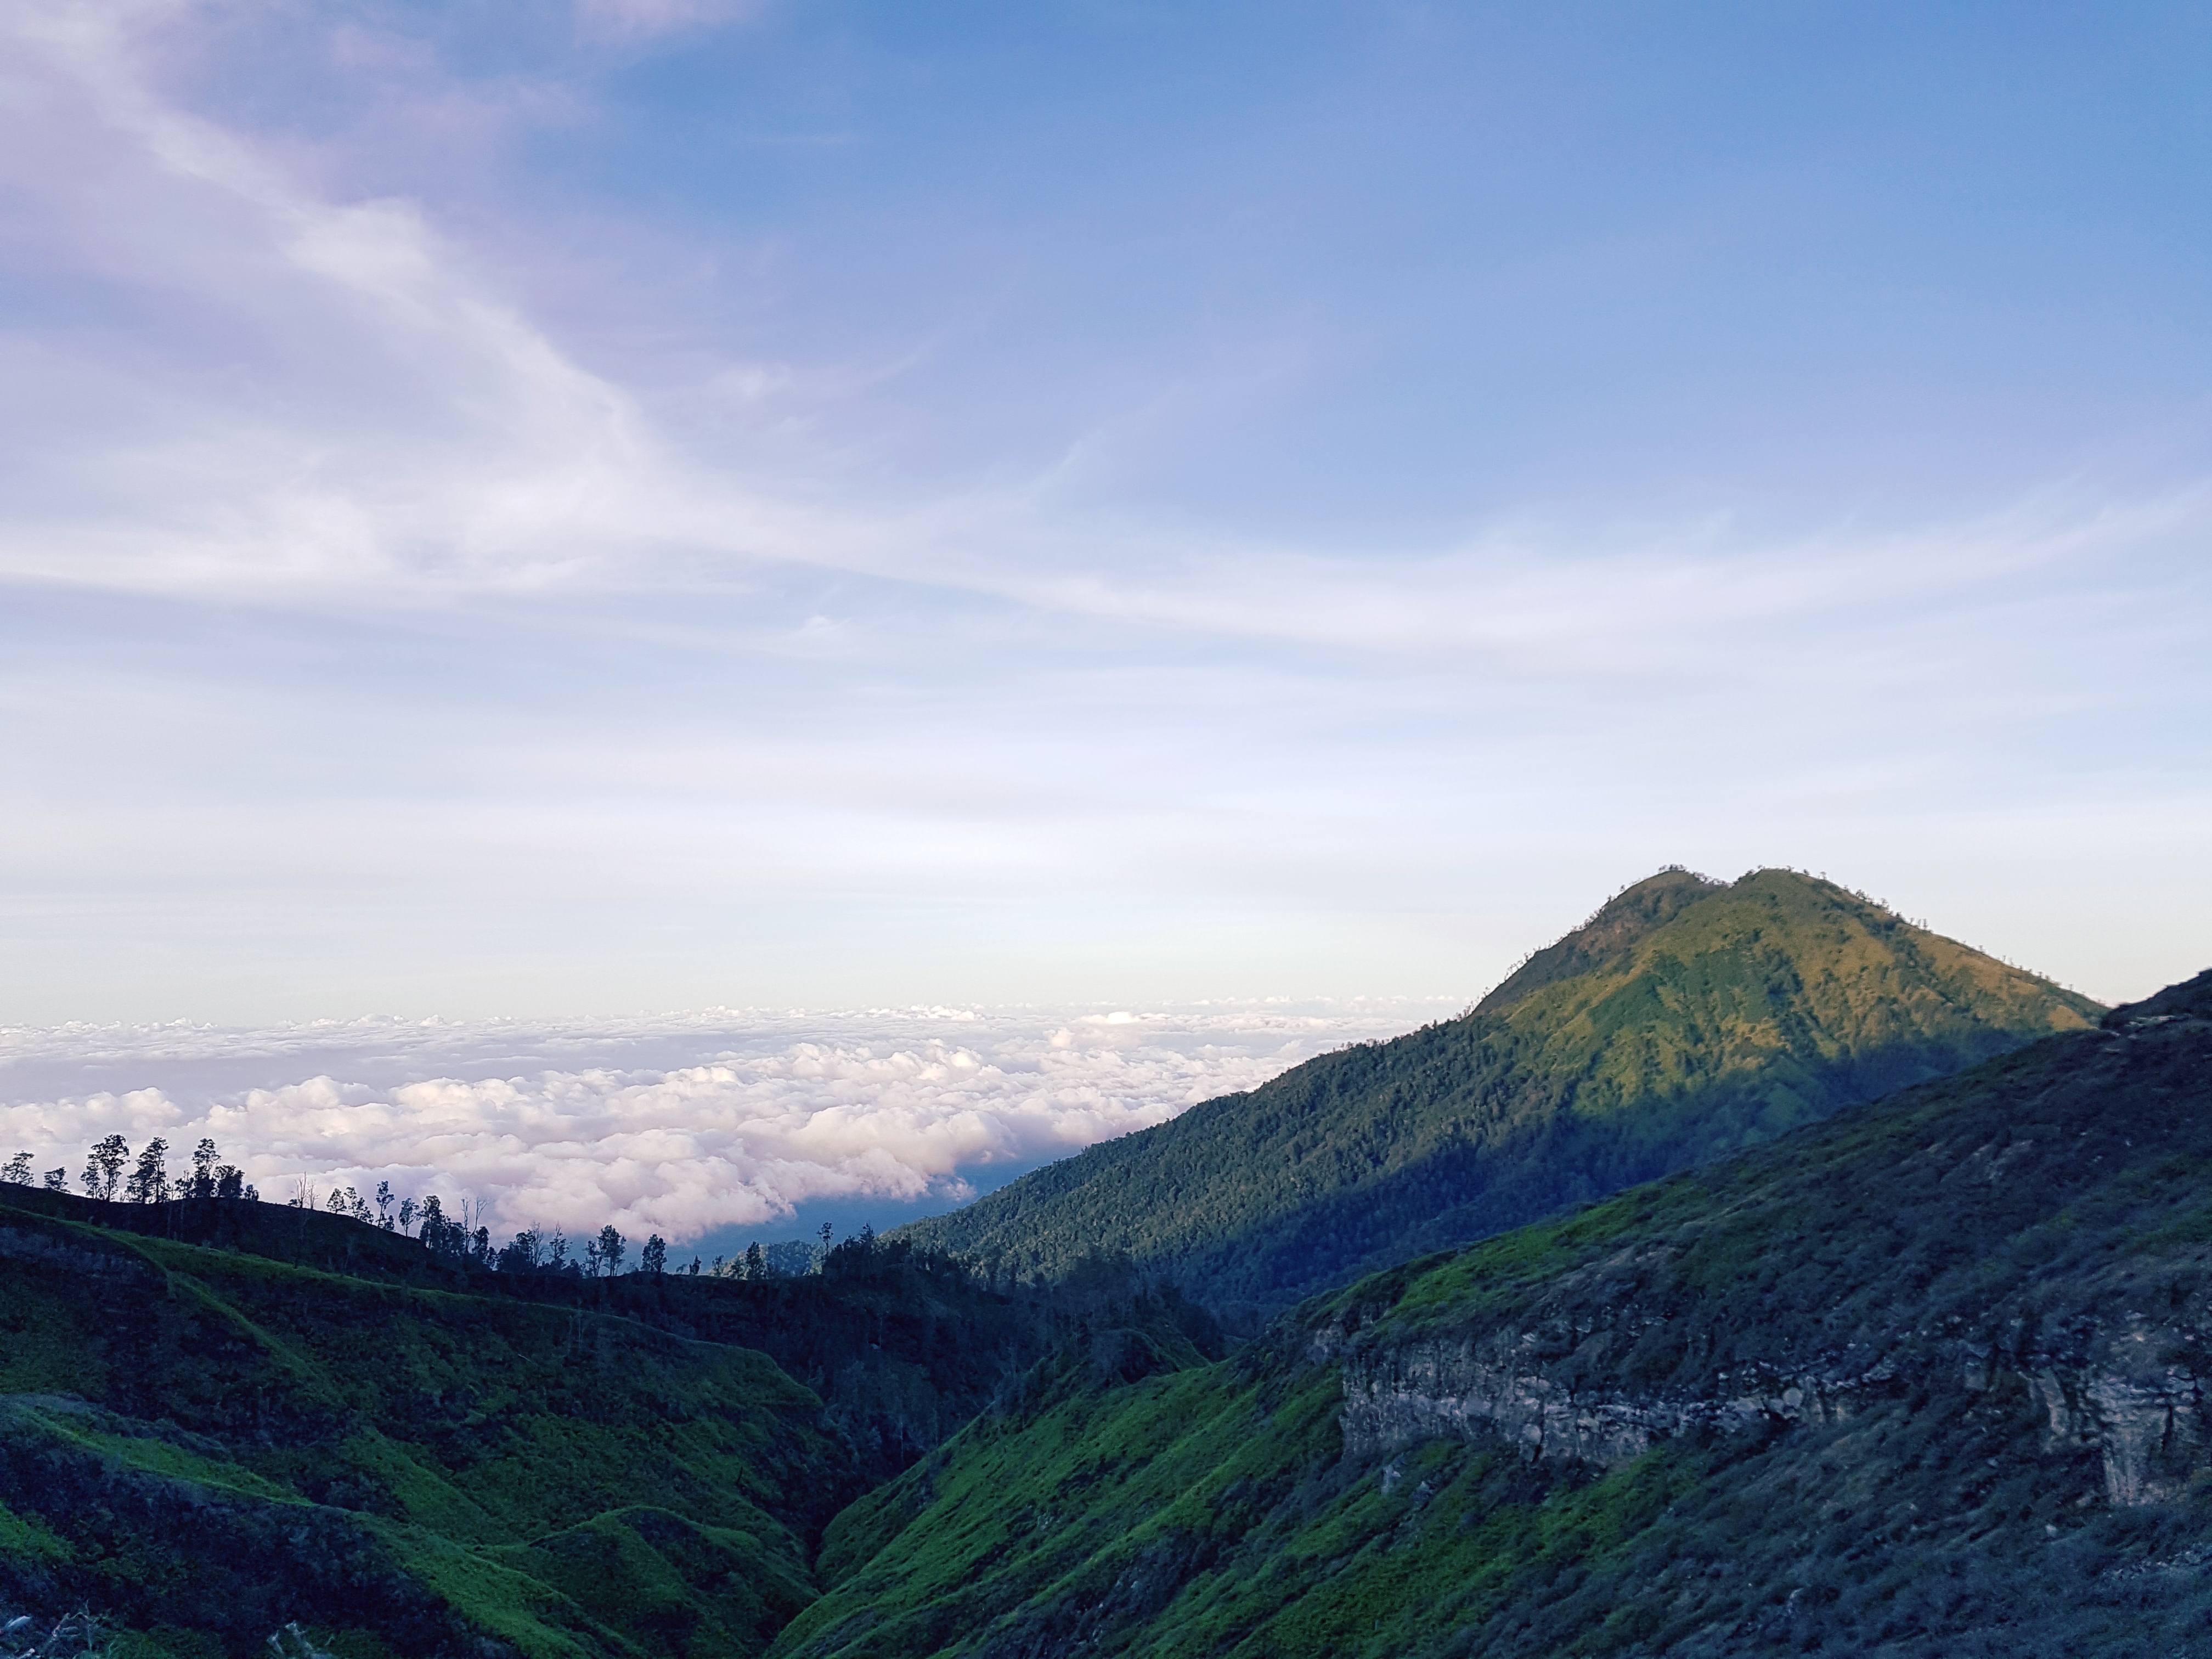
(1684, 1021)
(216, 1443)
(1962, 1282)
(903, 1347)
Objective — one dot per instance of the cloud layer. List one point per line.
(768, 1112)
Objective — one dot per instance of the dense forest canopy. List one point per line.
(1686, 1019)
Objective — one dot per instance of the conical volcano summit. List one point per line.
(1686, 1019)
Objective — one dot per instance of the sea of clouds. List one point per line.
(682, 1124)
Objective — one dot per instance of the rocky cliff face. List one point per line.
(2118, 1391)
(2057, 1279)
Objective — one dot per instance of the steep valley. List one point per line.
(219, 1417)
(1926, 1379)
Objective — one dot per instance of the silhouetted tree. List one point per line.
(18, 1172)
(150, 1181)
(103, 1169)
(57, 1180)
(654, 1258)
(230, 1182)
(204, 1166)
(522, 1255)
(384, 1204)
(755, 1262)
(345, 1200)
(611, 1248)
(440, 1236)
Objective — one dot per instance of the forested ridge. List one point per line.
(222, 1418)
(1685, 1019)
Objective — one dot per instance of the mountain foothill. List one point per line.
(1752, 1271)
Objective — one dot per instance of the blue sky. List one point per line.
(538, 510)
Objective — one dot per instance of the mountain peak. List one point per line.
(1609, 937)
(1687, 1017)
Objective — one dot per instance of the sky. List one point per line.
(539, 512)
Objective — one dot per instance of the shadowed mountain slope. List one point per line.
(1686, 1019)
(1927, 1380)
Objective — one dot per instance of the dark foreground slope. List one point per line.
(214, 1443)
(1685, 1020)
(217, 1419)
(1927, 1379)
(900, 1346)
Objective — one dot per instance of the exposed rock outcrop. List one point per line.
(1766, 1311)
(2146, 1420)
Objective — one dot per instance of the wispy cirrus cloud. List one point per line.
(398, 431)
(403, 429)
(647, 19)
(389, 421)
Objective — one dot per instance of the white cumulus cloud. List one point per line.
(683, 1124)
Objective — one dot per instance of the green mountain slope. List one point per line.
(1927, 1379)
(901, 1346)
(219, 1417)
(1684, 1020)
(215, 1443)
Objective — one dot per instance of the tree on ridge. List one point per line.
(103, 1167)
(150, 1181)
(608, 1253)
